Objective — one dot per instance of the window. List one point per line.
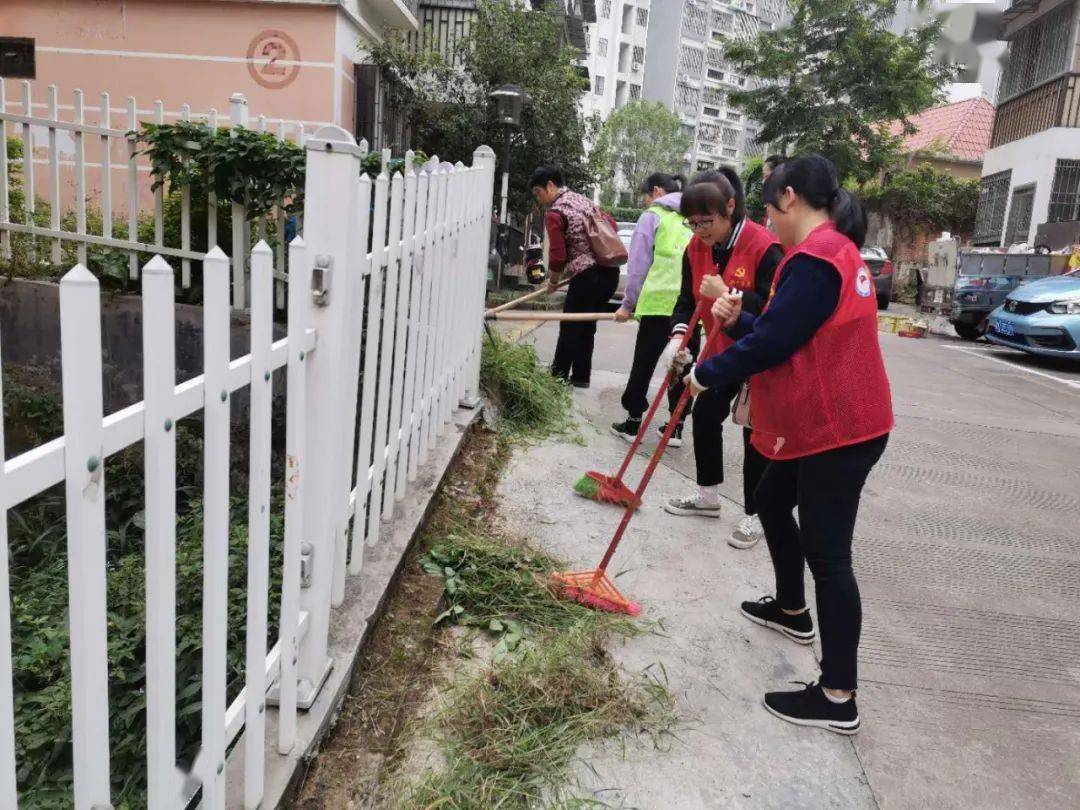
(1020, 215)
(639, 55)
(722, 21)
(1065, 193)
(742, 81)
(716, 75)
(704, 166)
(734, 116)
(990, 217)
(708, 132)
(710, 111)
(716, 58)
(635, 92)
(730, 136)
(691, 61)
(1039, 52)
(601, 49)
(713, 96)
(599, 88)
(688, 131)
(695, 22)
(605, 9)
(686, 99)
(17, 58)
(643, 17)
(731, 153)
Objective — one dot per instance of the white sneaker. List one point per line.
(747, 533)
(676, 435)
(693, 506)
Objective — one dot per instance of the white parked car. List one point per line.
(626, 233)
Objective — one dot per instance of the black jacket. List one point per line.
(753, 300)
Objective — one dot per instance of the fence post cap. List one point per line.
(79, 275)
(262, 247)
(298, 242)
(216, 253)
(332, 138)
(484, 150)
(237, 98)
(157, 266)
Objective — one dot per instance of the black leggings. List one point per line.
(589, 291)
(825, 488)
(711, 408)
(652, 337)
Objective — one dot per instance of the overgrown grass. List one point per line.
(528, 400)
(510, 735)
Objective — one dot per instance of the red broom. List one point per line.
(594, 588)
(611, 489)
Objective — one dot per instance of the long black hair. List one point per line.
(668, 182)
(813, 178)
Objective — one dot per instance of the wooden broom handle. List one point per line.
(521, 299)
(540, 315)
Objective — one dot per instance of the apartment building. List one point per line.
(688, 72)
(616, 55)
(1030, 188)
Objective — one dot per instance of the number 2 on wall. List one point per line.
(275, 50)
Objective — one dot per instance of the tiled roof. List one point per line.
(961, 130)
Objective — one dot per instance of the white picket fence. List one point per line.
(416, 287)
(59, 147)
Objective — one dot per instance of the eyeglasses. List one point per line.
(701, 224)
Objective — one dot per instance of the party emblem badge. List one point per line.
(864, 286)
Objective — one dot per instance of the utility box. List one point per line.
(937, 297)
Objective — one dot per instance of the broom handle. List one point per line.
(521, 299)
(653, 463)
(550, 316)
(699, 310)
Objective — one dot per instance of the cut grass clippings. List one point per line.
(530, 403)
(510, 735)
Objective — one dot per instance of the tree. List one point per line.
(449, 110)
(635, 141)
(834, 75)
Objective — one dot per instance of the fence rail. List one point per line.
(385, 313)
(55, 158)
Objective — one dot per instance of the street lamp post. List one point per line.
(509, 100)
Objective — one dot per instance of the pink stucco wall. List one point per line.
(291, 62)
(192, 52)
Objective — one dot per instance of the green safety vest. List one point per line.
(664, 280)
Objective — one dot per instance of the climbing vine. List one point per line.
(239, 165)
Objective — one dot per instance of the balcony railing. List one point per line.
(1053, 104)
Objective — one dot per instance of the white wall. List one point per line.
(1032, 160)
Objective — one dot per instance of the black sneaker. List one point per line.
(580, 383)
(799, 628)
(676, 435)
(627, 430)
(810, 707)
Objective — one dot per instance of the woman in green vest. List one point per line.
(654, 277)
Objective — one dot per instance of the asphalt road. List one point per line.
(968, 557)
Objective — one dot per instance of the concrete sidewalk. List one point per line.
(968, 556)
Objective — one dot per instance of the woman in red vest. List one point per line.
(726, 245)
(821, 411)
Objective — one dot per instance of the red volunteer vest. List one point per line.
(833, 391)
(750, 248)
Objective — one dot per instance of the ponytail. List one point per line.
(737, 185)
(813, 178)
(846, 210)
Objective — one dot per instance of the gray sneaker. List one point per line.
(693, 506)
(747, 533)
